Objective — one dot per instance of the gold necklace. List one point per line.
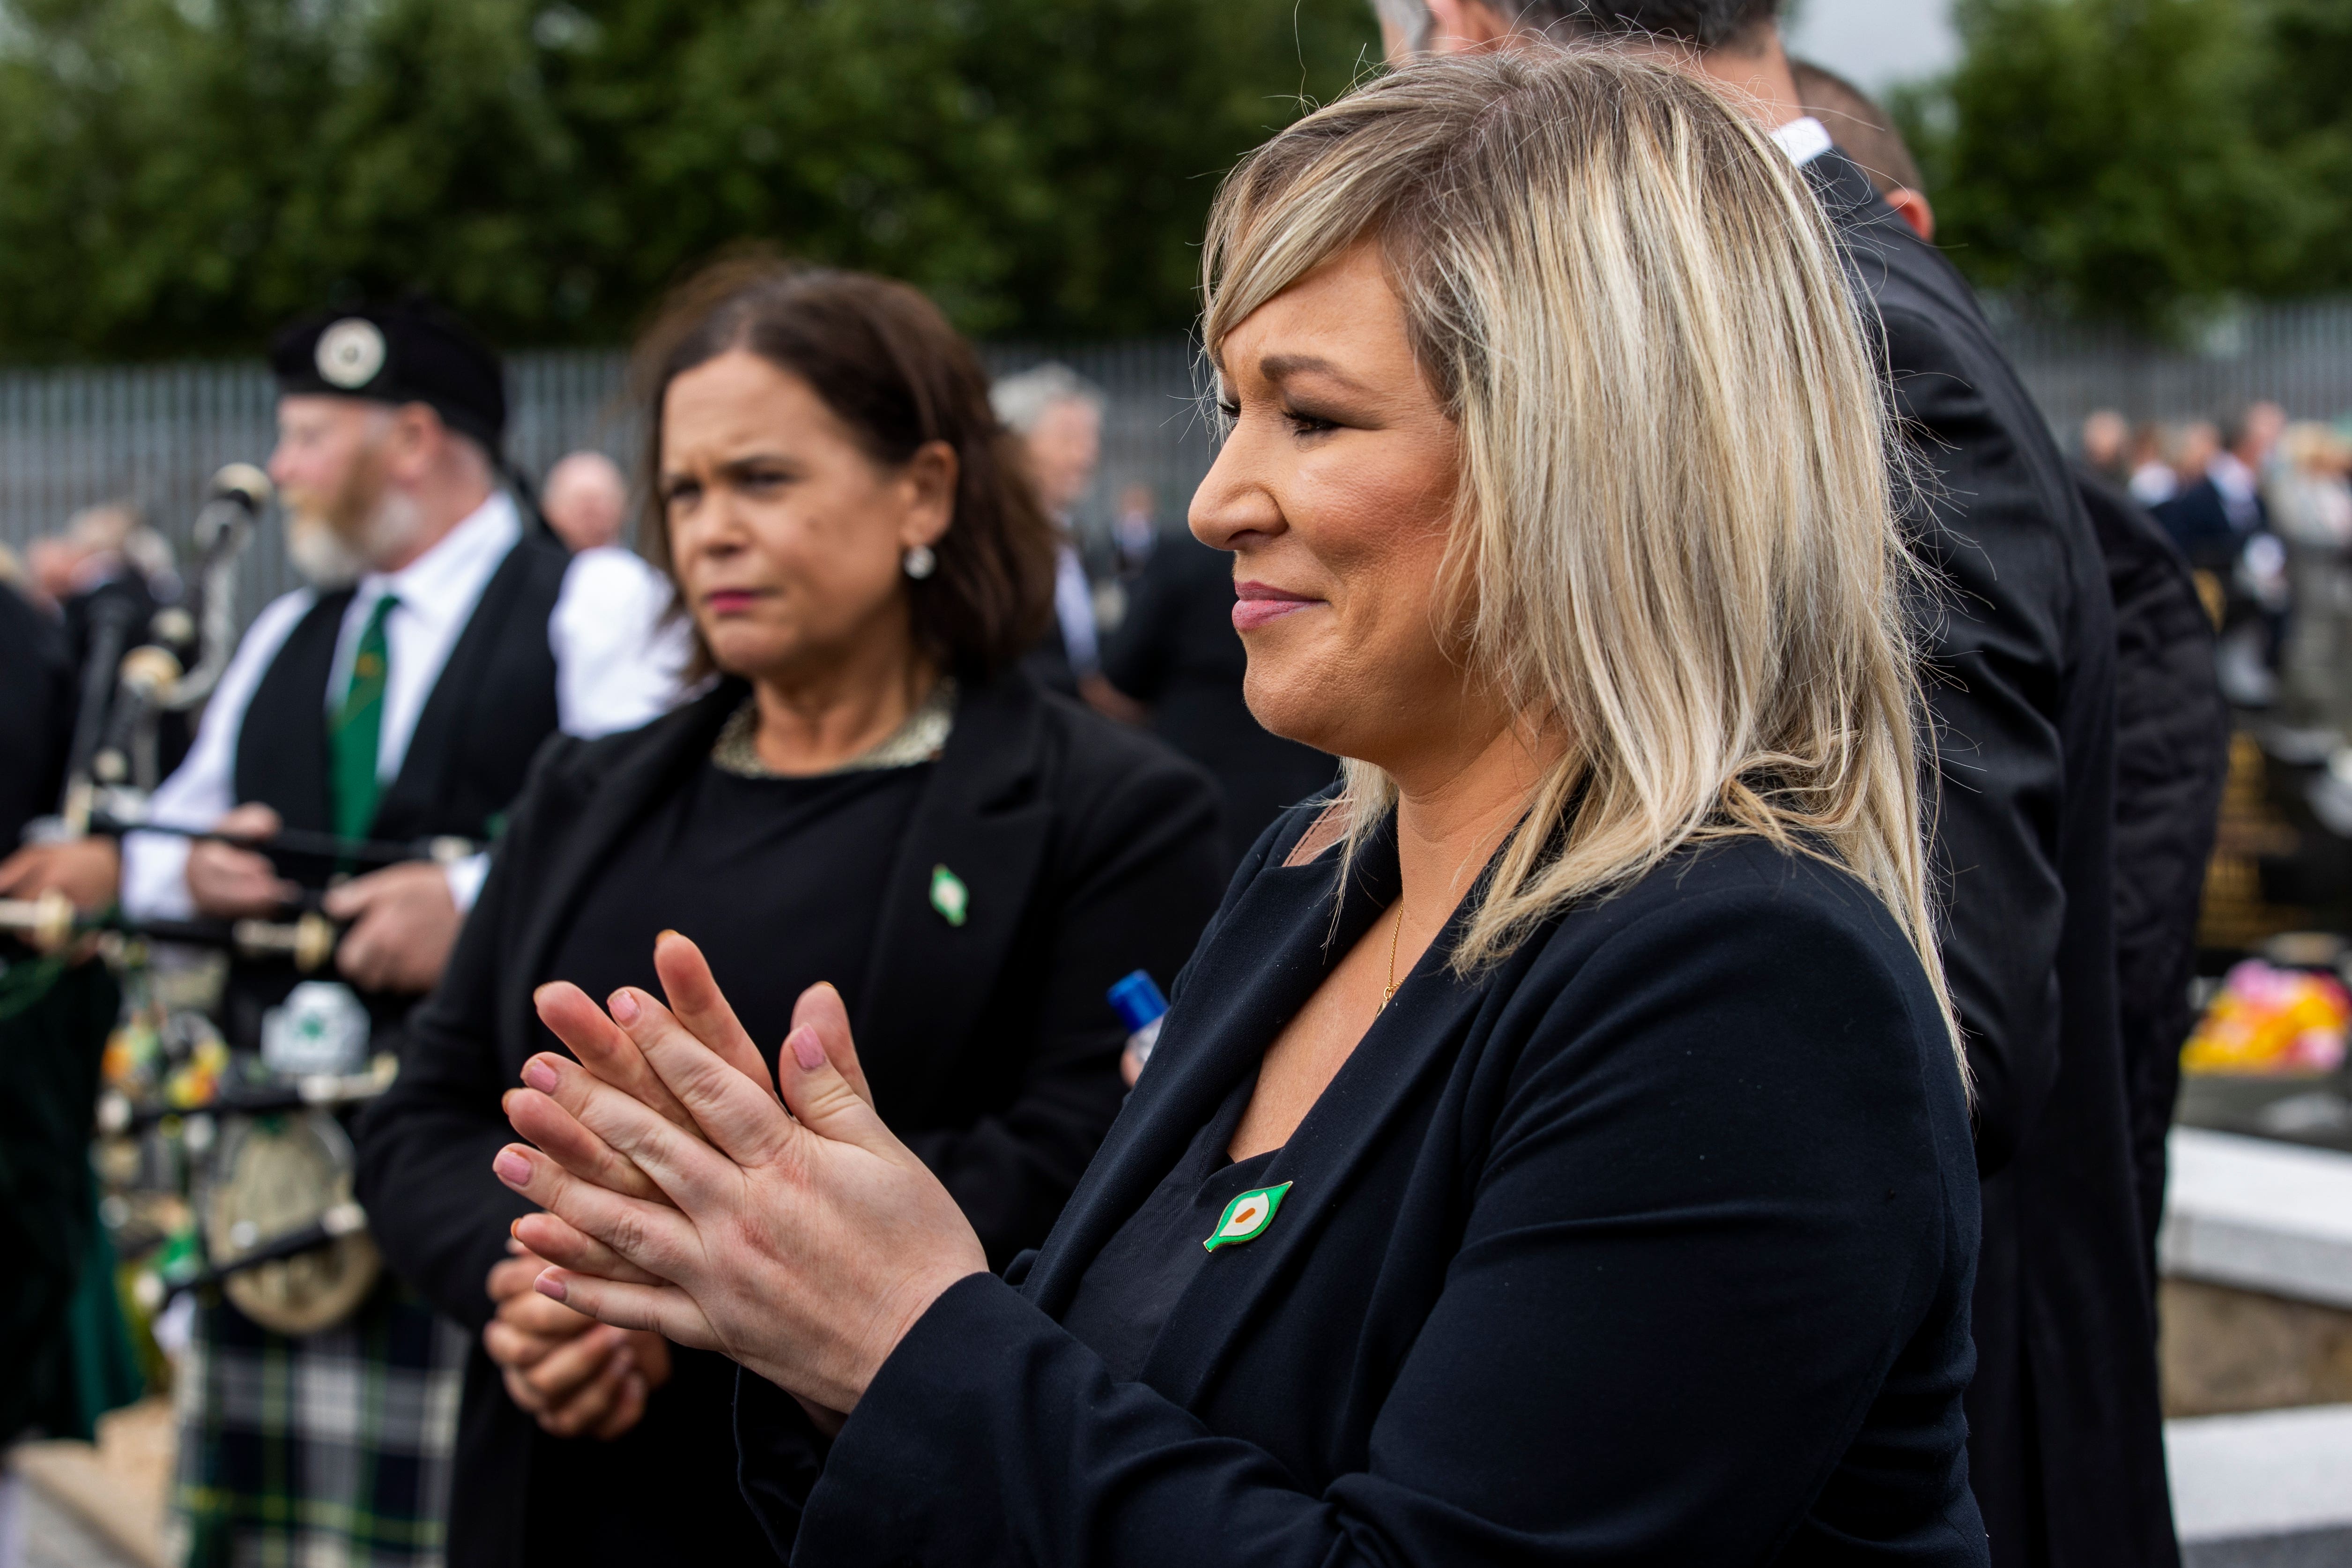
(1386, 996)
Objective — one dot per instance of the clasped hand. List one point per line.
(776, 1221)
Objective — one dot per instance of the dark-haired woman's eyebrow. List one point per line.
(758, 466)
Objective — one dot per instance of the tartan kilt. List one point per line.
(328, 1451)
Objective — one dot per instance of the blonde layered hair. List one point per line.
(1675, 540)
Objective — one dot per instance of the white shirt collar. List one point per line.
(443, 583)
(1802, 140)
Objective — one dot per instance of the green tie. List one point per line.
(352, 733)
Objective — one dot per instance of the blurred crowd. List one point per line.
(2261, 503)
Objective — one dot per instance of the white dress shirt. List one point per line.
(1074, 606)
(1803, 140)
(2240, 491)
(618, 666)
(2153, 484)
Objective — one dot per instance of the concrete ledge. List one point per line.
(2319, 1549)
(2259, 1216)
(2270, 1490)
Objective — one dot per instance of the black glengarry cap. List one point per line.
(412, 351)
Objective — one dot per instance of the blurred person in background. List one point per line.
(2066, 1425)
(1058, 415)
(2152, 480)
(585, 501)
(875, 793)
(104, 548)
(400, 698)
(2220, 505)
(2106, 446)
(2310, 506)
(2172, 761)
(2193, 448)
(1134, 529)
(63, 1351)
(108, 565)
(2220, 520)
(52, 1027)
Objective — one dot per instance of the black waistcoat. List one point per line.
(487, 713)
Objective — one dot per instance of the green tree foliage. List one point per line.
(2144, 160)
(177, 175)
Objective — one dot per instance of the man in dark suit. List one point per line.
(2066, 1436)
(2222, 523)
(2172, 727)
(2212, 519)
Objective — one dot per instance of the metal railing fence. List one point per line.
(152, 434)
(2298, 355)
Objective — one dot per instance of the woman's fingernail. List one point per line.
(807, 1050)
(511, 1167)
(625, 1007)
(540, 1073)
(550, 1287)
(665, 934)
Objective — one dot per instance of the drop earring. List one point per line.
(920, 562)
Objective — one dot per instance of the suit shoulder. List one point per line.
(1747, 874)
(1755, 964)
(1740, 913)
(579, 764)
(1099, 759)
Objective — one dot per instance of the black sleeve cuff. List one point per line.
(779, 1454)
(899, 1485)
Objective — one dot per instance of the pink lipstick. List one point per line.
(1256, 605)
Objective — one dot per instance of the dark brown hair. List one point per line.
(888, 365)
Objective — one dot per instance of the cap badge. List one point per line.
(350, 352)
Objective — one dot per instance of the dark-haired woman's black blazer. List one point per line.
(1090, 850)
(1654, 1246)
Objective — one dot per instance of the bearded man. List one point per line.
(398, 699)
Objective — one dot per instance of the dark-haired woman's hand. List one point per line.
(801, 1238)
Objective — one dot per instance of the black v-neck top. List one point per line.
(779, 880)
(1134, 1283)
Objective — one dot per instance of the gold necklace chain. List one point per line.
(1398, 930)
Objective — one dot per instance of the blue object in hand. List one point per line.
(1141, 1007)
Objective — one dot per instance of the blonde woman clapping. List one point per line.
(1558, 1151)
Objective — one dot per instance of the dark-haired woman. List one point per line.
(871, 794)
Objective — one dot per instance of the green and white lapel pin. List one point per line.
(949, 896)
(1246, 1217)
